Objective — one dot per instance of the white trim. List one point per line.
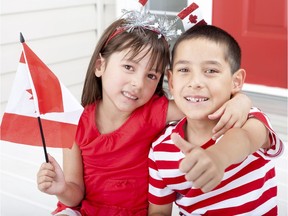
(167, 13)
(276, 91)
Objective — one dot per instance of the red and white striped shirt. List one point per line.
(247, 188)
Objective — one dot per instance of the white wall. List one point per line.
(63, 33)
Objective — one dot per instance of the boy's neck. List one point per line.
(199, 132)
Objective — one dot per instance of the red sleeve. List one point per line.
(154, 112)
(276, 144)
(61, 207)
(86, 125)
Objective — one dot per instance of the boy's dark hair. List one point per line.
(217, 35)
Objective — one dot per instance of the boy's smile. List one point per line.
(201, 80)
(196, 99)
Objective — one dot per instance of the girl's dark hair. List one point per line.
(218, 35)
(136, 40)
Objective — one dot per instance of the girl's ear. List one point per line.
(238, 80)
(99, 66)
(170, 79)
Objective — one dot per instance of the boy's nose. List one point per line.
(195, 81)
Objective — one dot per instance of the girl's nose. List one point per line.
(137, 82)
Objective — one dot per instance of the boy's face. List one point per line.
(201, 80)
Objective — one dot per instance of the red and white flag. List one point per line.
(143, 2)
(191, 16)
(37, 92)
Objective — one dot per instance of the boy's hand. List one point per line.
(233, 113)
(202, 167)
(50, 177)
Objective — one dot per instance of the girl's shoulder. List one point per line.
(157, 105)
(89, 109)
(153, 113)
(157, 100)
(88, 115)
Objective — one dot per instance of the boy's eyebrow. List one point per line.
(182, 62)
(189, 62)
(213, 62)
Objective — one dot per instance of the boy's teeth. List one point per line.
(196, 99)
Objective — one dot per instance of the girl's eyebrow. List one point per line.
(130, 60)
(137, 62)
(155, 70)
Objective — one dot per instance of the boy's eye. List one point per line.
(182, 70)
(211, 71)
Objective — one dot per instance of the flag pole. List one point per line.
(43, 139)
(22, 40)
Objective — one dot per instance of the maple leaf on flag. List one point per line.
(143, 2)
(191, 16)
(38, 95)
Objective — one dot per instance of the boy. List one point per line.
(205, 74)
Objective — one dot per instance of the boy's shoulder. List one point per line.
(164, 137)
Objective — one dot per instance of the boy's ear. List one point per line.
(99, 66)
(238, 80)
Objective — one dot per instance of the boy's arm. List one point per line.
(232, 114)
(238, 143)
(205, 168)
(160, 210)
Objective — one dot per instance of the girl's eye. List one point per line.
(128, 67)
(152, 76)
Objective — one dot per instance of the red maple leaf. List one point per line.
(193, 18)
(143, 2)
(30, 92)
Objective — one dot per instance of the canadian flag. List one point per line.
(191, 16)
(37, 92)
(143, 2)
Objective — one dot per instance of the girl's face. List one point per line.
(201, 80)
(126, 84)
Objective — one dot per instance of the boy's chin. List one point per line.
(197, 116)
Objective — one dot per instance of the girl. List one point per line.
(106, 171)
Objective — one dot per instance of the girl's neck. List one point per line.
(108, 120)
(199, 132)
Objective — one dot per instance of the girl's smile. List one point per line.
(127, 83)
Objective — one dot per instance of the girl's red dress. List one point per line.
(116, 164)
